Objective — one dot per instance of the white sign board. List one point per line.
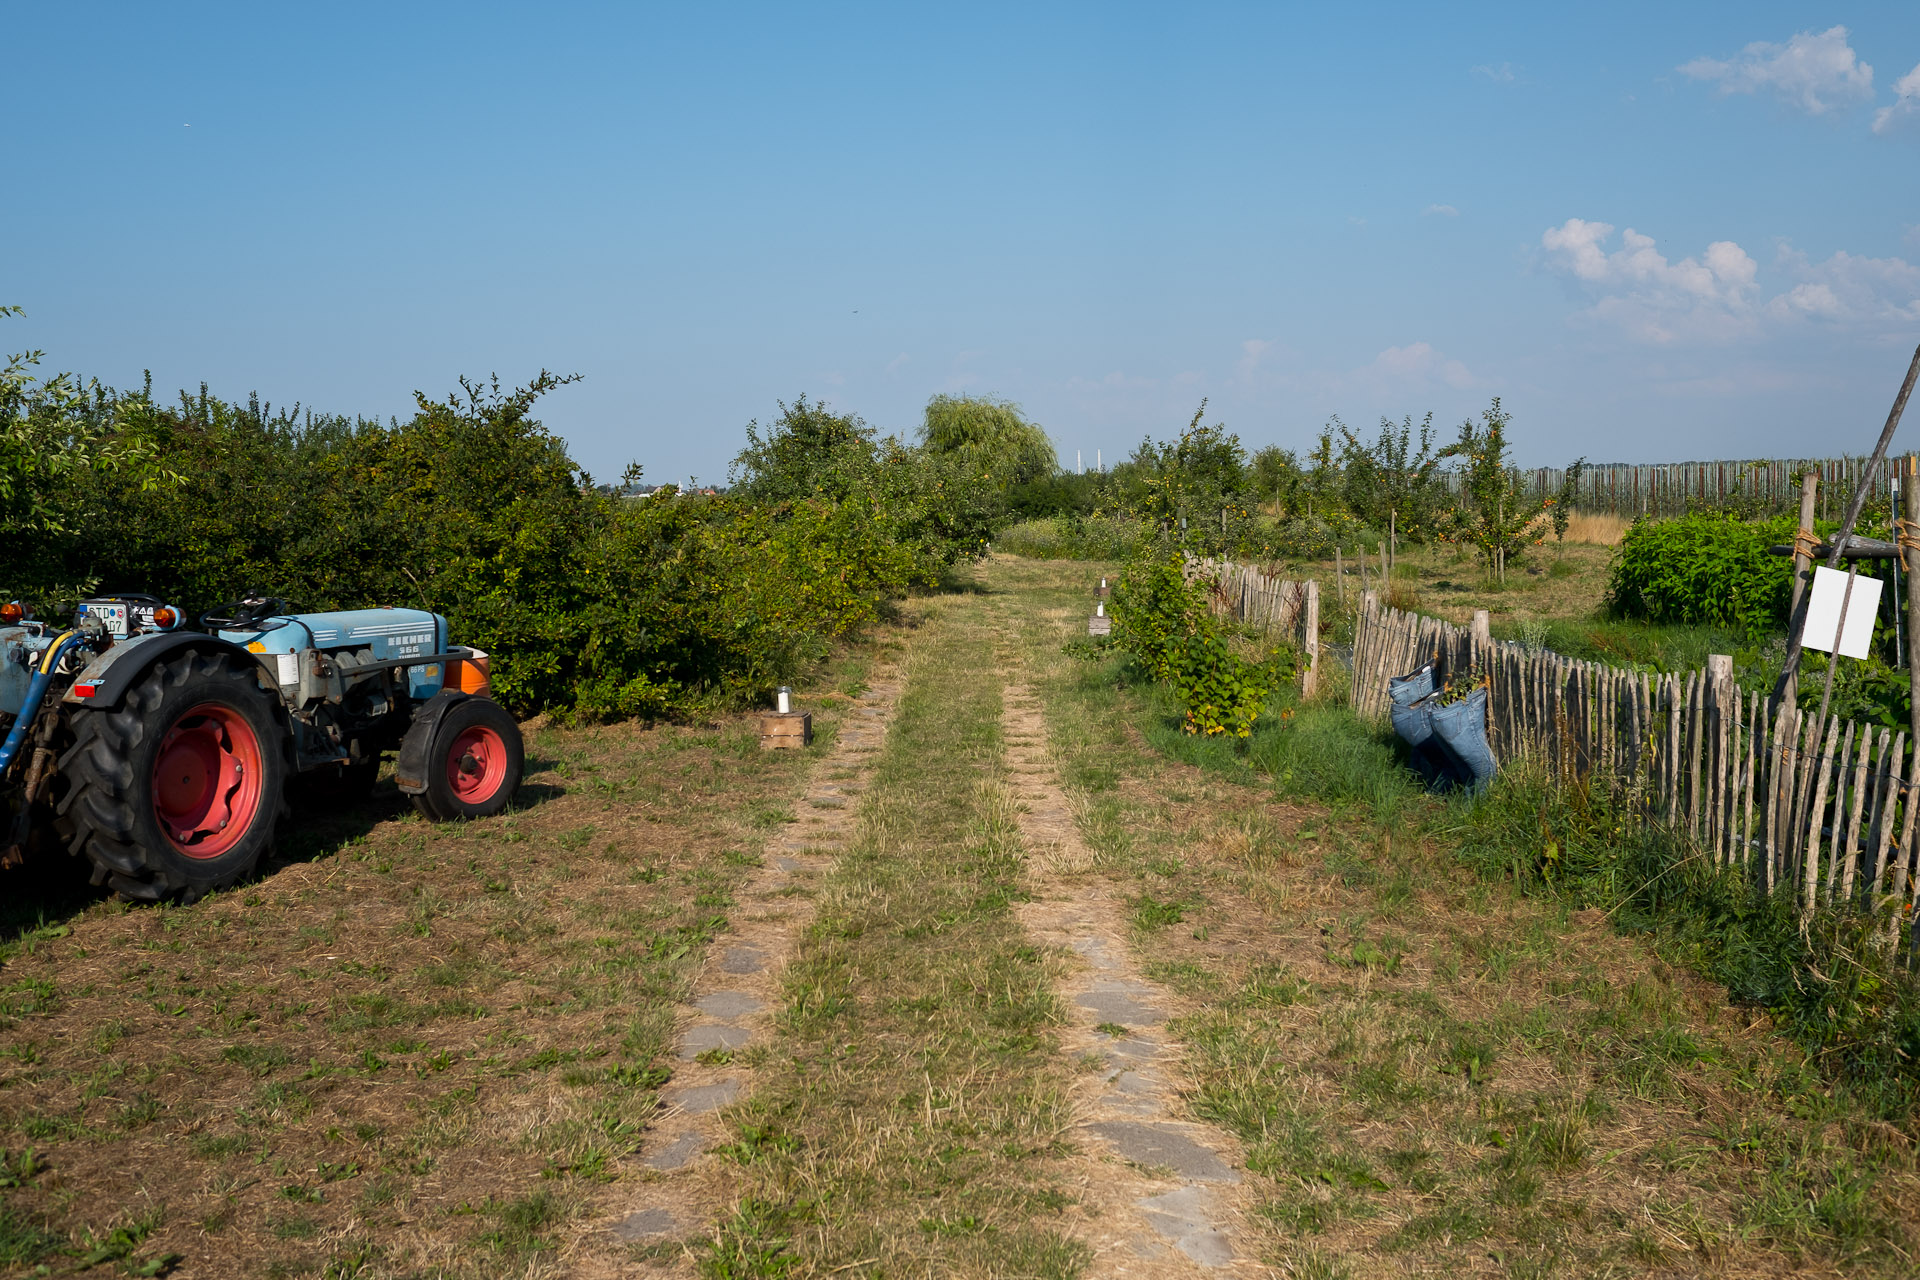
(1823, 613)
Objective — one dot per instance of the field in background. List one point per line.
(1597, 528)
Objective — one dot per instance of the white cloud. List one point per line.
(1813, 72)
(1905, 111)
(1850, 288)
(1440, 210)
(1250, 353)
(1502, 74)
(898, 363)
(1418, 365)
(1717, 297)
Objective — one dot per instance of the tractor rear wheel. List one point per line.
(473, 763)
(177, 790)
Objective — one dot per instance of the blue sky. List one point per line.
(1660, 232)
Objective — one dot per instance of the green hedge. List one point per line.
(594, 603)
(1705, 568)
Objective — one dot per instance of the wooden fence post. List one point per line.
(1722, 698)
(1310, 679)
(1482, 627)
(1339, 578)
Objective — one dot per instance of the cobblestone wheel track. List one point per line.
(731, 1008)
(1161, 1191)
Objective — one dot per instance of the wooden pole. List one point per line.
(1789, 686)
(1339, 578)
(1910, 500)
(1310, 679)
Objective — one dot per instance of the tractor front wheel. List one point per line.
(177, 790)
(473, 763)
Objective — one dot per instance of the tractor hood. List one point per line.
(389, 633)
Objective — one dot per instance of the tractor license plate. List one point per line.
(112, 616)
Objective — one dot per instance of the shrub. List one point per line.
(1061, 494)
(1703, 568)
(693, 603)
(1165, 622)
(1304, 539)
(930, 500)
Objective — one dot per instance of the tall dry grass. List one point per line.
(1602, 529)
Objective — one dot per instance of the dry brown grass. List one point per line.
(406, 1048)
(1597, 529)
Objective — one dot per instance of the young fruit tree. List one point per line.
(1492, 512)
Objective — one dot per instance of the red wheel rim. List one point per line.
(476, 765)
(206, 781)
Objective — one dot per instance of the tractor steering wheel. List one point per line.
(245, 614)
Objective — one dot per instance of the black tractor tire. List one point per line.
(476, 739)
(224, 743)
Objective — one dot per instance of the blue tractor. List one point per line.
(162, 754)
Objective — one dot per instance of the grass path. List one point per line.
(1429, 1073)
(915, 1120)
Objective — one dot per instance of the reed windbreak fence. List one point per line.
(1251, 595)
(1762, 485)
(1819, 809)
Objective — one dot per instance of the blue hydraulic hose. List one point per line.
(36, 690)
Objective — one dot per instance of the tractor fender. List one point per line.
(104, 680)
(410, 768)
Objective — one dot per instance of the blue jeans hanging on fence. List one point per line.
(1462, 728)
(1414, 723)
(1446, 745)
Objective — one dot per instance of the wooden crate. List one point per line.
(786, 732)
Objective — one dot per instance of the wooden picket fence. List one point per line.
(1248, 594)
(1820, 809)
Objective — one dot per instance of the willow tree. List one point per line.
(991, 437)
